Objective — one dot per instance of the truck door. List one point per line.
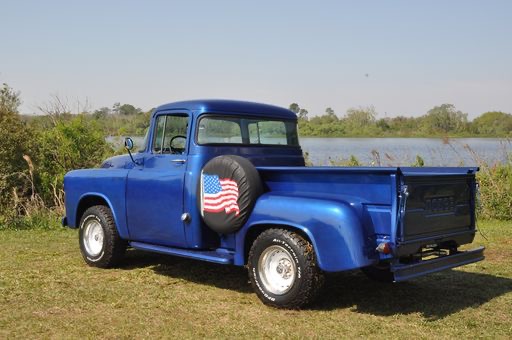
(154, 193)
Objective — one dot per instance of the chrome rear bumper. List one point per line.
(404, 272)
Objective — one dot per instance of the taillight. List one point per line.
(384, 248)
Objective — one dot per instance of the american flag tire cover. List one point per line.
(227, 191)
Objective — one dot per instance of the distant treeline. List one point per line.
(440, 121)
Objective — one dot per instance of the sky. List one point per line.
(402, 57)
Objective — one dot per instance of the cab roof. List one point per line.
(198, 107)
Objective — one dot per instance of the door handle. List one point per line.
(179, 161)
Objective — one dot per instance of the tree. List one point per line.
(303, 114)
(128, 110)
(294, 107)
(116, 108)
(14, 150)
(9, 100)
(358, 119)
(56, 108)
(445, 118)
(330, 112)
(493, 123)
(383, 124)
(101, 113)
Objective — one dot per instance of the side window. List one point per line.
(159, 132)
(267, 132)
(170, 134)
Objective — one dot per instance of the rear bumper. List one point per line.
(64, 221)
(404, 272)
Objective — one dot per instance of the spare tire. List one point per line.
(228, 189)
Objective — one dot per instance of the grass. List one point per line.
(47, 291)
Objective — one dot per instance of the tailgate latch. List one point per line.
(403, 198)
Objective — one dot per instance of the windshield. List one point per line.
(247, 131)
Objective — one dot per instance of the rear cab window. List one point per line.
(246, 131)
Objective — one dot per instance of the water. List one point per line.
(403, 151)
(399, 151)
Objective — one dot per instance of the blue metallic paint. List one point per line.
(229, 107)
(328, 205)
(155, 218)
(203, 255)
(104, 183)
(332, 226)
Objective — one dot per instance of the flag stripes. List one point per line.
(219, 194)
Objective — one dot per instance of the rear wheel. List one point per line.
(283, 269)
(380, 272)
(100, 243)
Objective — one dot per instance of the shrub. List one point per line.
(14, 149)
(419, 162)
(352, 161)
(42, 219)
(74, 144)
(495, 191)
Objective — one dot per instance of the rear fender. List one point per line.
(333, 227)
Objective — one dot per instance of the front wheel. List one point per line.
(283, 269)
(100, 243)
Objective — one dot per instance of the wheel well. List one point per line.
(86, 203)
(256, 230)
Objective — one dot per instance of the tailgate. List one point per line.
(437, 206)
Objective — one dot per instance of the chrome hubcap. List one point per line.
(93, 237)
(277, 270)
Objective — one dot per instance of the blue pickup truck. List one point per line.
(226, 182)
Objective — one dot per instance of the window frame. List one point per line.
(250, 117)
(154, 132)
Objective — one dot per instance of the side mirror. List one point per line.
(128, 143)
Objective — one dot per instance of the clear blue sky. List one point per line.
(415, 54)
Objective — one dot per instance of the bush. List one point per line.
(496, 191)
(419, 162)
(15, 177)
(352, 161)
(75, 144)
(41, 219)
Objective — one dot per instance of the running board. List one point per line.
(222, 256)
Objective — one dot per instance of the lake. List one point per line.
(401, 151)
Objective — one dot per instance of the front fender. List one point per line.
(333, 226)
(119, 221)
(109, 185)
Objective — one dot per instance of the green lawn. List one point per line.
(47, 291)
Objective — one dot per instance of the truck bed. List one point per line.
(413, 207)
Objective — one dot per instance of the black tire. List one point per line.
(229, 168)
(296, 292)
(99, 240)
(380, 272)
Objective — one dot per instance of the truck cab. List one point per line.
(226, 182)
